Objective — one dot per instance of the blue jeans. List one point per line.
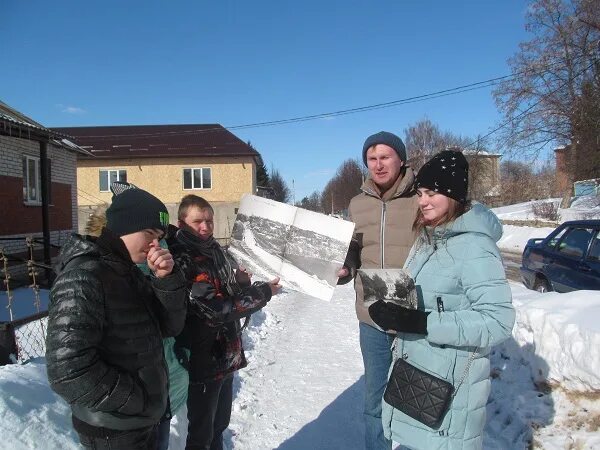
(376, 351)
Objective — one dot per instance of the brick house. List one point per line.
(169, 161)
(39, 190)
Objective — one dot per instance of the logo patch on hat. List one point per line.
(164, 218)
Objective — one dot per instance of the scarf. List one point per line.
(211, 249)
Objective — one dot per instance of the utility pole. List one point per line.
(332, 202)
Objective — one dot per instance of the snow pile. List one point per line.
(584, 207)
(559, 335)
(546, 379)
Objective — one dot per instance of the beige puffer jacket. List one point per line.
(383, 230)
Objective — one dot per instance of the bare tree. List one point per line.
(348, 179)
(312, 202)
(281, 192)
(588, 11)
(344, 185)
(424, 139)
(539, 101)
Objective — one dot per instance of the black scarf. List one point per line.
(210, 248)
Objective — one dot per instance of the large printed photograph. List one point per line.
(304, 248)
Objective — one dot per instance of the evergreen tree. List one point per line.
(262, 176)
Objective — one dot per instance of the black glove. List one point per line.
(390, 316)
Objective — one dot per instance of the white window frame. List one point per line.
(108, 171)
(37, 199)
(193, 187)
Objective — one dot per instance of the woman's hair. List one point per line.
(190, 201)
(455, 210)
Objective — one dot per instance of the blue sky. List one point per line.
(71, 63)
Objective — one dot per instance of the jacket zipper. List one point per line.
(383, 211)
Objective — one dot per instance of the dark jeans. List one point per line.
(141, 439)
(209, 411)
(163, 432)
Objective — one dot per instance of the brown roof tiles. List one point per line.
(158, 141)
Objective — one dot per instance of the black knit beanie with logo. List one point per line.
(135, 210)
(389, 139)
(446, 173)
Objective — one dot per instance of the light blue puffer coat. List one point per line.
(462, 265)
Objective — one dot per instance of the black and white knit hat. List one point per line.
(446, 173)
(133, 209)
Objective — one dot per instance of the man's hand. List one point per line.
(343, 272)
(242, 276)
(160, 261)
(275, 286)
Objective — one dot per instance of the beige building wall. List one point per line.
(232, 177)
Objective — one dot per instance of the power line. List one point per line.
(418, 98)
(414, 99)
(89, 197)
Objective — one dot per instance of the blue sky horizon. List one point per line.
(73, 63)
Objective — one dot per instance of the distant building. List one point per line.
(587, 187)
(169, 161)
(38, 197)
(580, 187)
(560, 157)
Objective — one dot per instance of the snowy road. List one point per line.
(303, 387)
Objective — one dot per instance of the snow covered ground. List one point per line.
(303, 387)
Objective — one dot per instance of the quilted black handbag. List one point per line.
(420, 395)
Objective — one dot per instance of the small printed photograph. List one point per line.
(390, 285)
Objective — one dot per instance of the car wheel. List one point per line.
(542, 286)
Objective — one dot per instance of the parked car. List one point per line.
(568, 259)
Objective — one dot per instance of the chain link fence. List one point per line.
(23, 331)
(28, 336)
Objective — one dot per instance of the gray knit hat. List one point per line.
(389, 139)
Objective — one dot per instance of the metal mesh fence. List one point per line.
(30, 336)
(23, 330)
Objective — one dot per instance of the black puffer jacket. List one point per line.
(106, 321)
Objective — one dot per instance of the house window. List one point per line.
(107, 177)
(32, 180)
(200, 178)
